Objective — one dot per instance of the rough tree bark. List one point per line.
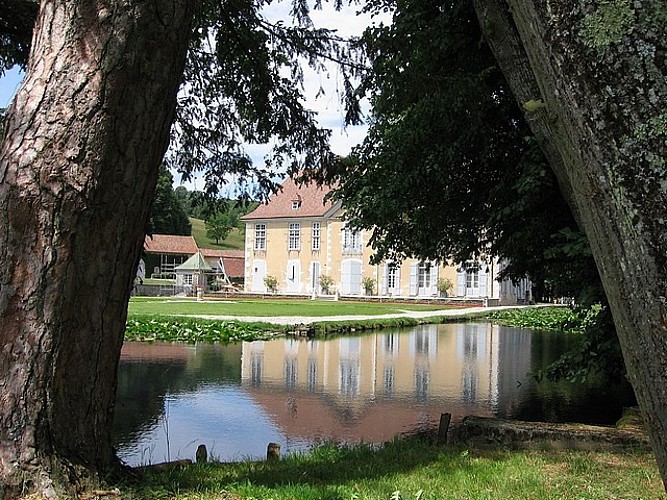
(79, 160)
(600, 68)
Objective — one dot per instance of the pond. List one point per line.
(236, 399)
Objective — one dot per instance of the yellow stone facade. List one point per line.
(299, 236)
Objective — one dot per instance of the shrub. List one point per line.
(369, 284)
(326, 282)
(271, 283)
(444, 286)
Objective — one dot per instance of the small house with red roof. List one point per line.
(164, 253)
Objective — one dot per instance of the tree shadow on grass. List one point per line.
(326, 466)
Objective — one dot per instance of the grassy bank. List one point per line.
(161, 306)
(168, 319)
(413, 469)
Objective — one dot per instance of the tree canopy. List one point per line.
(167, 213)
(17, 18)
(243, 85)
(460, 172)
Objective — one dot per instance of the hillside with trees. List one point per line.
(213, 222)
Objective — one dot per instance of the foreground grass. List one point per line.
(144, 306)
(414, 469)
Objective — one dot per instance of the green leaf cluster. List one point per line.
(220, 224)
(17, 18)
(243, 85)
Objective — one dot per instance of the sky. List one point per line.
(329, 109)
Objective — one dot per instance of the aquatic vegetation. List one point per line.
(564, 319)
(172, 329)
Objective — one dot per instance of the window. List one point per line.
(351, 241)
(424, 275)
(296, 204)
(472, 279)
(260, 236)
(472, 276)
(315, 236)
(187, 279)
(392, 276)
(294, 236)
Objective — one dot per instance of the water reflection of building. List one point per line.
(376, 381)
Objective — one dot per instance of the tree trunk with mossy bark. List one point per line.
(79, 160)
(596, 74)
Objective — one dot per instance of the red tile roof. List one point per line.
(234, 266)
(170, 244)
(214, 252)
(311, 199)
(234, 260)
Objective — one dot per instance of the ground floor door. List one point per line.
(472, 282)
(293, 277)
(314, 277)
(392, 279)
(350, 282)
(424, 279)
(258, 275)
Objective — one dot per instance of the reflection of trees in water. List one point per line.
(143, 384)
(598, 400)
(142, 387)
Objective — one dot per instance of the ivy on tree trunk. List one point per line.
(600, 71)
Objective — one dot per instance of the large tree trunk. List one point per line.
(83, 142)
(601, 70)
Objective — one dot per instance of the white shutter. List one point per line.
(385, 279)
(434, 278)
(413, 279)
(345, 277)
(483, 277)
(355, 277)
(461, 282)
(315, 277)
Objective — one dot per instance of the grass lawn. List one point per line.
(415, 469)
(144, 306)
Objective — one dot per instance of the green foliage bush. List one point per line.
(271, 283)
(369, 284)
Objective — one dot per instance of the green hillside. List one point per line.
(235, 240)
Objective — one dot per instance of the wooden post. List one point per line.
(445, 419)
(201, 455)
(273, 451)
